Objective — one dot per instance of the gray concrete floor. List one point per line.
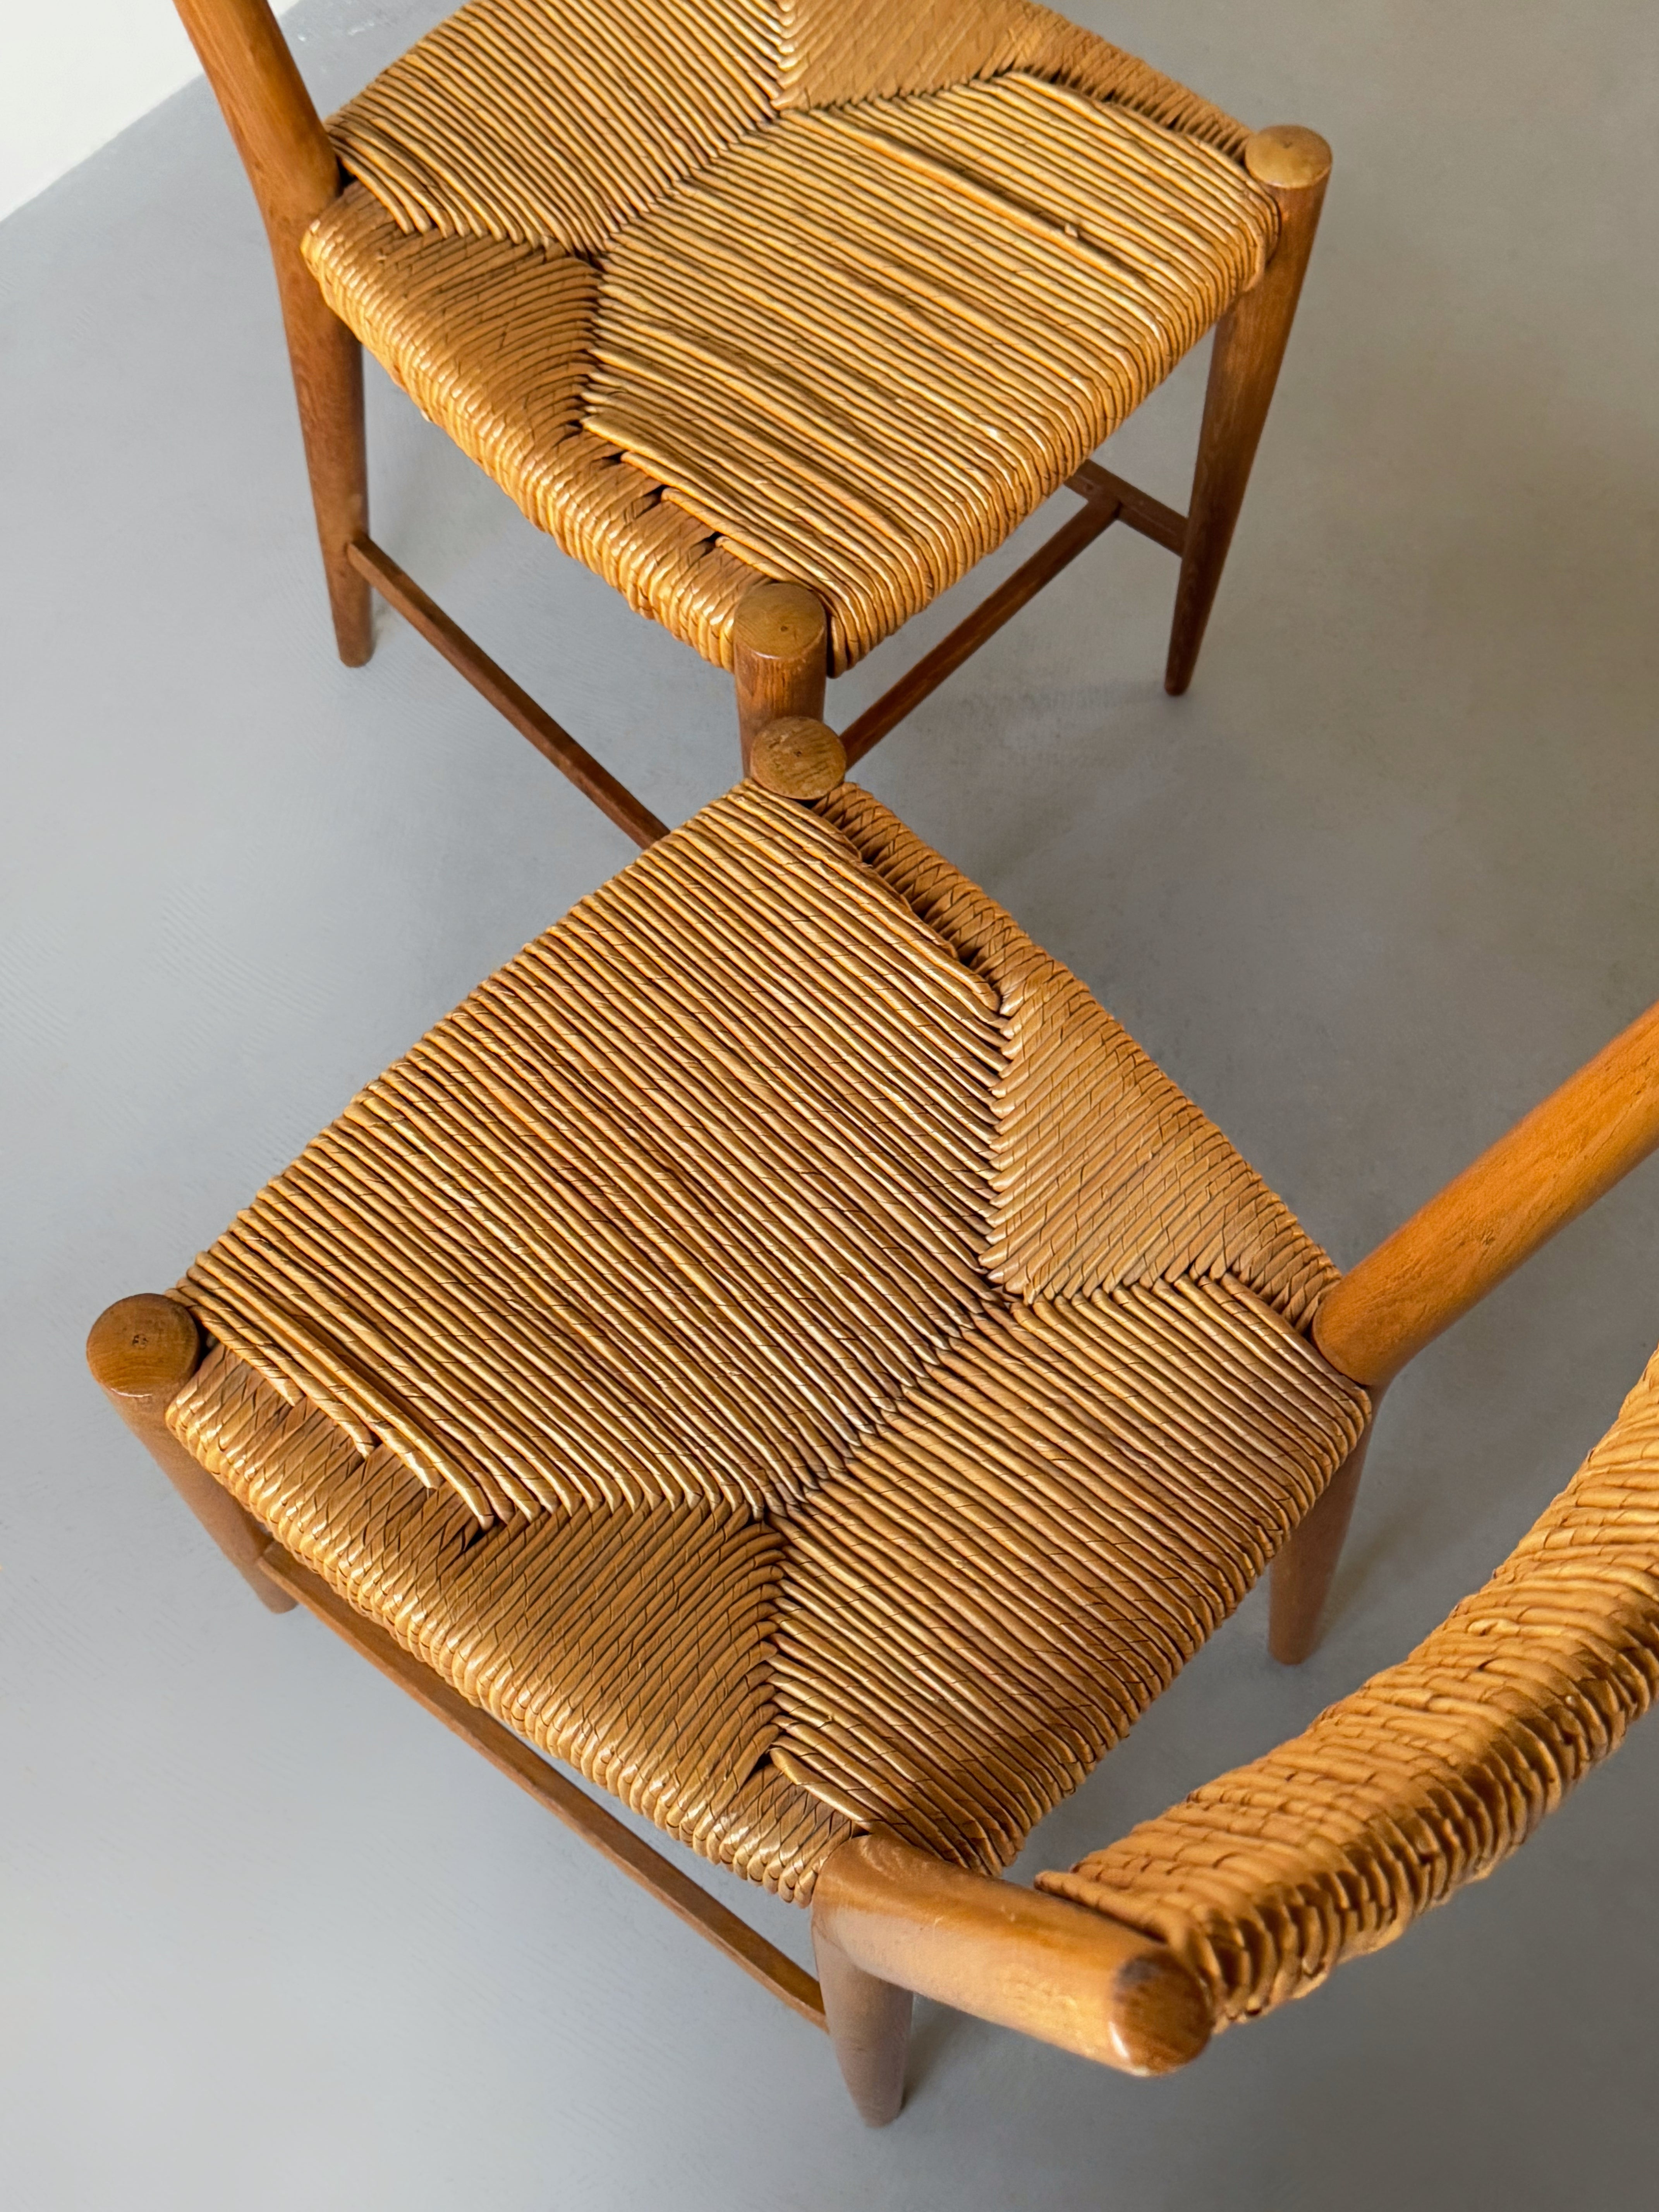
(273, 1939)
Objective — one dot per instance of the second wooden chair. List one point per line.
(779, 314)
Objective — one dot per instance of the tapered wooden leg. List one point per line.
(142, 1352)
(1248, 345)
(328, 384)
(296, 175)
(779, 658)
(869, 2023)
(1303, 1571)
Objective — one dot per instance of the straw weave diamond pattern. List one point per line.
(817, 289)
(780, 1347)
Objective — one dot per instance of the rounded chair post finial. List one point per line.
(780, 620)
(1287, 158)
(796, 756)
(780, 656)
(144, 1347)
(142, 1352)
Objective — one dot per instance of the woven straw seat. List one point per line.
(753, 334)
(781, 1347)
(779, 315)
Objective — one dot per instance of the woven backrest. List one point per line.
(1429, 1776)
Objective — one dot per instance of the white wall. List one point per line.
(74, 73)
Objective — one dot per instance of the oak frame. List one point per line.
(294, 175)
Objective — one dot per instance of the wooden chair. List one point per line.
(779, 314)
(780, 1349)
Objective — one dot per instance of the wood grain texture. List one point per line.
(780, 658)
(1247, 353)
(1581, 1140)
(1304, 1570)
(869, 2023)
(296, 175)
(1026, 1961)
(796, 757)
(554, 743)
(510, 1756)
(142, 1352)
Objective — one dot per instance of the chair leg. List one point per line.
(328, 384)
(142, 1352)
(1302, 1574)
(779, 658)
(869, 2023)
(1245, 351)
(296, 175)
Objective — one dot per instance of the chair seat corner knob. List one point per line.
(796, 756)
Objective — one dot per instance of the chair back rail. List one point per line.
(1547, 1170)
(290, 163)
